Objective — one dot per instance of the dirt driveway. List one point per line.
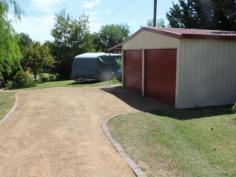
(57, 133)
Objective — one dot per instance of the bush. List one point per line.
(21, 80)
(234, 108)
(46, 77)
(1, 80)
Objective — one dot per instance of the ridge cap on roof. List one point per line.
(186, 33)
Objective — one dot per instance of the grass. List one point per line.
(180, 143)
(71, 83)
(7, 100)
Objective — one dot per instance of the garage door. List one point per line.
(133, 70)
(160, 74)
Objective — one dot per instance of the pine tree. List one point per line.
(203, 14)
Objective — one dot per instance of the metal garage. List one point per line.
(185, 68)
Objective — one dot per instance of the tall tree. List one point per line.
(24, 42)
(71, 37)
(203, 14)
(37, 57)
(9, 49)
(160, 23)
(110, 35)
(225, 14)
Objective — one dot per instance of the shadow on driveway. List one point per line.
(135, 100)
(152, 106)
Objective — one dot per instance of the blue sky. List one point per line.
(38, 18)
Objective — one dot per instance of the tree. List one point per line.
(71, 37)
(9, 49)
(37, 57)
(209, 14)
(110, 35)
(160, 23)
(225, 14)
(190, 14)
(24, 42)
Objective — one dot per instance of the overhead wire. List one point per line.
(120, 9)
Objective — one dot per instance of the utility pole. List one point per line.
(155, 14)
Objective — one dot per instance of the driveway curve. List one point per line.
(57, 133)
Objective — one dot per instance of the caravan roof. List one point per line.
(95, 55)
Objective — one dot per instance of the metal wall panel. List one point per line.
(206, 73)
(149, 40)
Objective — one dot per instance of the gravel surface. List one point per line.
(57, 133)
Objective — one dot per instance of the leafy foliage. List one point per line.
(37, 57)
(71, 37)
(21, 80)
(8, 68)
(46, 77)
(225, 14)
(24, 42)
(9, 49)
(210, 14)
(234, 108)
(109, 36)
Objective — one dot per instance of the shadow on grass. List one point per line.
(187, 114)
(84, 82)
(152, 106)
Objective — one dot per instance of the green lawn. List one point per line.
(71, 83)
(7, 100)
(199, 143)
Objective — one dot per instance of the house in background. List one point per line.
(185, 68)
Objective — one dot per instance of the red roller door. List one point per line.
(160, 74)
(133, 70)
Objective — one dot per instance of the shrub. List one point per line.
(21, 80)
(54, 77)
(234, 108)
(46, 77)
(1, 80)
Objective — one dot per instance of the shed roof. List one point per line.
(181, 33)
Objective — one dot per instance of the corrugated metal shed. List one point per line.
(206, 63)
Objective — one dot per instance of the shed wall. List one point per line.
(149, 40)
(206, 73)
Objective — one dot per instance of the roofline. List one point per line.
(180, 36)
(115, 47)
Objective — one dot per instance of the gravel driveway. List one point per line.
(57, 133)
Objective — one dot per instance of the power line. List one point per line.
(121, 8)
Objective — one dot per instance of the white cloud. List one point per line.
(45, 5)
(94, 24)
(39, 28)
(90, 4)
